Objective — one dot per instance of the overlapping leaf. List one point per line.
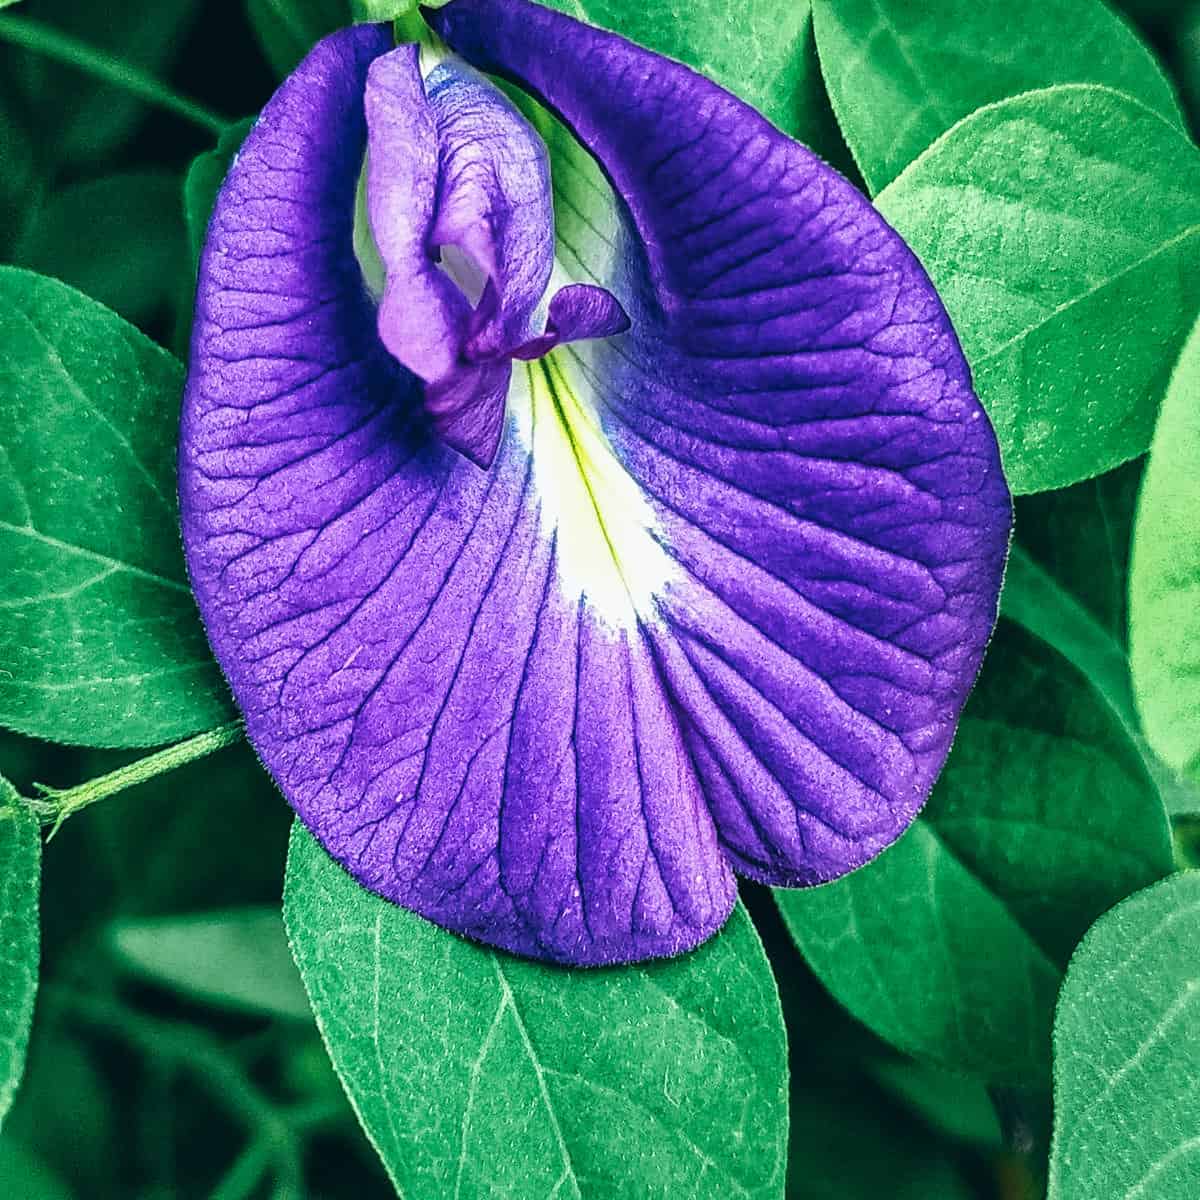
(900, 73)
(476, 1073)
(1127, 1053)
(203, 181)
(949, 945)
(1164, 581)
(760, 50)
(99, 639)
(1062, 229)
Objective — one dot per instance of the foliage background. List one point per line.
(174, 1053)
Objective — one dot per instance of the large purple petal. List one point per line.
(794, 403)
(720, 596)
(443, 709)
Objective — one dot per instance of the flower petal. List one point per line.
(794, 405)
(467, 735)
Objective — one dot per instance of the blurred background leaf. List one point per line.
(79, 118)
(237, 959)
(119, 239)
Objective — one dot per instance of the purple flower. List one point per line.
(556, 588)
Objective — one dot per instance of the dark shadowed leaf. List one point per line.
(901, 73)
(1062, 229)
(99, 636)
(20, 882)
(1127, 1053)
(132, 257)
(951, 1104)
(475, 1073)
(848, 1144)
(1080, 537)
(950, 944)
(1164, 581)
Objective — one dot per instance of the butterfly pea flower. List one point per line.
(563, 575)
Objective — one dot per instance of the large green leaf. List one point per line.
(901, 73)
(236, 959)
(949, 944)
(1127, 1053)
(133, 257)
(1164, 581)
(20, 882)
(99, 636)
(1062, 229)
(478, 1074)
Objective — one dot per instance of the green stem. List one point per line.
(42, 39)
(57, 804)
(242, 1179)
(184, 1047)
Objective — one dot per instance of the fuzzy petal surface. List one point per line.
(719, 598)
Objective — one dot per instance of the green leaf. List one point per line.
(847, 1144)
(1127, 1053)
(949, 944)
(204, 179)
(133, 256)
(288, 29)
(21, 183)
(21, 1174)
(919, 950)
(475, 1073)
(99, 636)
(900, 74)
(1061, 229)
(760, 50)
(20, 882)
(1067, 581)
(237, 959)
(1080, 536)
(81, 118)
(1164, 581)
(952, 1104)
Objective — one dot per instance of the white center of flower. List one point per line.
(601, 520)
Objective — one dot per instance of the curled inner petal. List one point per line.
(458, 193)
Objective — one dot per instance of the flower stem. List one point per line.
(57, 804)
(42, 39)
